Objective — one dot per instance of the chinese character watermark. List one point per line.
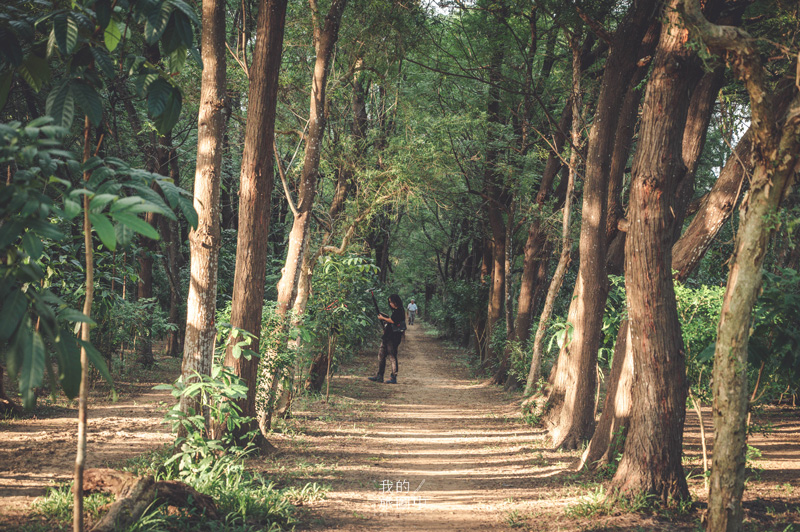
(397, 494)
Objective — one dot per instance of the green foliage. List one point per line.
(462, 303)
(56, 505)
(775, 338)
(698, 310)
(34, 208)
(86, 42)
(246, 500)
(210, 400)
(27, 213)
(339, 303)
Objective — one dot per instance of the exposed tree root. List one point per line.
(135, 494)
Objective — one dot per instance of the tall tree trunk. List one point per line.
(494, 205)
(83, 392)
(775, 148)
(324, 40)
(172, 234)
(156, 161)
(651, 463)
(204, 240)
(256, 180)
(566, 240)
(615, 416)
(570, 417)
(325, 37)
(614, 420)
(623, 141)
(536, 246)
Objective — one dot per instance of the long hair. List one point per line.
(394, 298)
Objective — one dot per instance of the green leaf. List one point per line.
(124, 235)
(187, 208)
(9, 232)
(187, 10)
(19, 348)
(136, 223)
(68, 355)
(156, 22)
(171, 40)
(126, 203)
(137, 205)
(167, 120)
(89, 101)
(75, 316)
(45, 229)
(66, 32)
(10, 48)
(60, 105)
(158, 93)
(11, 313)
(102, 9)
(103, 61)
(112, 36)
(99, 201)
(97, 360)
(176, 60)
(32, 245)
(35, 71)
(183, 28)
(71, 208)
(32, 370)
(104, 230)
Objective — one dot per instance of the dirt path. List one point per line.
(443, 451)
(38, 451)
(438, 451)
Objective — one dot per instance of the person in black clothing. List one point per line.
(393, 328)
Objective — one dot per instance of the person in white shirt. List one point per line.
(412, 311)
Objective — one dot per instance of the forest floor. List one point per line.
(38, 451)
(441, 450)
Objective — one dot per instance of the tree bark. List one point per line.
(651, 463)
(623, 141)
(775, 149)
(204, 240)
(256, 180)
(570, 417)
(603, 447)
(325, 38)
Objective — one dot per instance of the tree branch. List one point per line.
(745, 62)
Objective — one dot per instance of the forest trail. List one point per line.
(464, 460)
(438, 451)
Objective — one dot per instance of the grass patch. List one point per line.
(600, 502)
